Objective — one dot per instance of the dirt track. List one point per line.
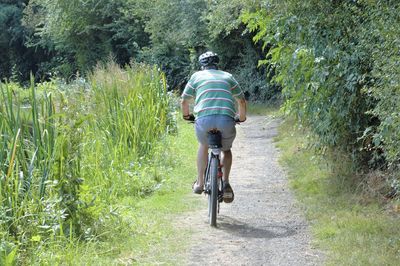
(263, 225)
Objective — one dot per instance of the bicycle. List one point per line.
(213, 182)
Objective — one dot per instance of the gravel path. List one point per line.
(262, 226)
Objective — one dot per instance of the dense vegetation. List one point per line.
(338, 64)
(69, 151)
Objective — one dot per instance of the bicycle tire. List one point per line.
(213, 195)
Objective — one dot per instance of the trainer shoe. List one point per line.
(228, 193)
(196, 188)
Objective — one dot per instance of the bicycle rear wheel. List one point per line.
(213, 195)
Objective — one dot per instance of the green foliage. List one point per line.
(64, 38)
(81, 33)
(330, 57)
(16, 59)
(175, 29)
(223, 17)
(383, 34)
(39, 183)
(227, 35)
(136, 95)
(67, 150)
(149, 222)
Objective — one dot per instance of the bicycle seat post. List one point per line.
(215, 141)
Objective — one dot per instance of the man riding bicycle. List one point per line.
(214, 92)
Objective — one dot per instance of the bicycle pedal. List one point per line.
(228, 195)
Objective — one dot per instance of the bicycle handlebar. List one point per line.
(191, 118)
(237, 120)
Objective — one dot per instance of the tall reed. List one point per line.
(131, 105)
(28, 198)
(67, 150)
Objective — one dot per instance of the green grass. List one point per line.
(262, 109)
(351, 230)
(141, 231)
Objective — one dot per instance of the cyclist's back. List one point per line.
(214, 92)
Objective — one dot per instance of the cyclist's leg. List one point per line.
(227, 125)
(202, 155)
(202, 126)
(228, 135)
(227, 163)
(228, 194)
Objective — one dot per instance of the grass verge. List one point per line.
(141, 231)
(350, 230)
(262, 109)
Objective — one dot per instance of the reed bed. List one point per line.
(68, 151)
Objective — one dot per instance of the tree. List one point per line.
(176, 33)
(16, 59)
(82, 33)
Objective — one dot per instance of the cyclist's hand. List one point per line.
(189, 117)
(237, 119)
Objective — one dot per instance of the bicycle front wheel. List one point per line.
(213, 195)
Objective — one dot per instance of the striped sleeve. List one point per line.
(235, 89)
(189, 91)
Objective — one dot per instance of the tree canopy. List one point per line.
(73, 36)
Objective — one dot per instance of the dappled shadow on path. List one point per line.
(245, 230)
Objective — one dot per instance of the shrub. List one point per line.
(331, 59)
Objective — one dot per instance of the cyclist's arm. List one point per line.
(185, 107)
(242, 106)
(241, 100)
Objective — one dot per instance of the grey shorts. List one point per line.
(223, 123)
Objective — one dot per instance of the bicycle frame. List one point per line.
(213, 176)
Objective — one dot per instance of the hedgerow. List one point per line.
(338, 64)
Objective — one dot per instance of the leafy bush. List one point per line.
(383, 35)
(331, 59)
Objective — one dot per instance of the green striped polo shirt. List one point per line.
(214, 92)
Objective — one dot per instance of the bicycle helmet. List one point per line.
(208, 59)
